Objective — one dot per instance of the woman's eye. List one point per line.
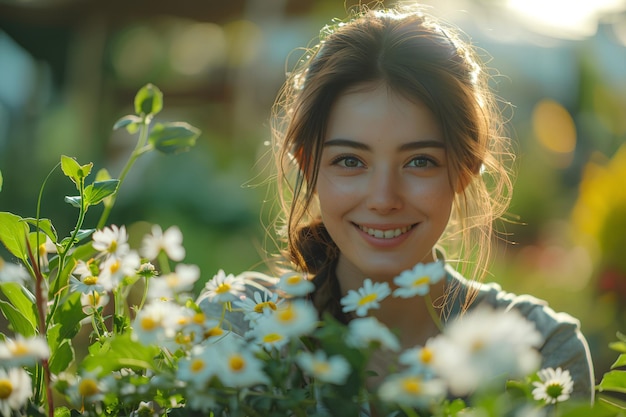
(348, 162)
(422, 162)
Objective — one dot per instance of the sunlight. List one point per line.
(565, 18)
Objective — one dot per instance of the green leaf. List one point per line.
(45, 225)
(22, 300)
(62, 357)
(173, 137)
(62, 412)
(19, 323)
(620, 362)
(1, 180)
(618, 346)
(73, 200)
(100, 190)
(149, 100)
(76, 172)
(68, 317)
(614, 381)
(120, 352)
(13, 232)
(70, 168)
(130, 122)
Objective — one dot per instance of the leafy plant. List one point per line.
(250, 345)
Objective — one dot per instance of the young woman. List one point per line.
(391, 153)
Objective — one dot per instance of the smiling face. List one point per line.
(384, 189)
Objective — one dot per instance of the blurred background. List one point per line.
(70, 68)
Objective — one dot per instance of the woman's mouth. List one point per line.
(387, 233)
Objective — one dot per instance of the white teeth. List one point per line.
(385, 234)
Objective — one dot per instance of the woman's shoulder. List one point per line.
(563, 342)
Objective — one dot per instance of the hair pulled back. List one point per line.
(417, 57)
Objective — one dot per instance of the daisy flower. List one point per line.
(238, 367)
(419, 359)
(23, 351)
(364, 331)
(417, 281)
(88, 389)
(484, 346)
(169, 242)
(294, 284)
(268, 334)
(111, 241)
(555, 386)
(295, 318)
(223, 288)
(10, 272)
(88, 277)
(15, 390)
(262, 303)
(412, 390)
(368, 296)
(198, 368)
(115, 269)
(179, 281)
(334, 370)
(157, 322)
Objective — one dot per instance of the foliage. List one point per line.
(250, 345)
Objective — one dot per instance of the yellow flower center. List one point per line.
(320, 367)
(113, 246)
(42, 250)
(367, 299)
(199, 318)
(93, 298)
(286, 315)
(19, 349)
(412, 386)
(88, 387)
(426, 355)
(272, 338)
(236, 363)
(478, 345)
(1, 264)
(294, 279)
(267, 304)
(115, 266)
(421, 281)
(148, 323)
(90, 280)
(197, 365)
(215, 331)
(6, 388)
(222, 288)
(172, 280)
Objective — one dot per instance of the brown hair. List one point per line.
(416, 56)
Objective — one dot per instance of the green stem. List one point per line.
(140, 148)
(70, 243)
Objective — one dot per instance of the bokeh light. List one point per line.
(555, 130)
(568, 19)
(197, 48)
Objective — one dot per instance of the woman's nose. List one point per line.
(384, 191)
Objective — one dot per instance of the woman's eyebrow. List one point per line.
(348, 143)
(418, 144)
